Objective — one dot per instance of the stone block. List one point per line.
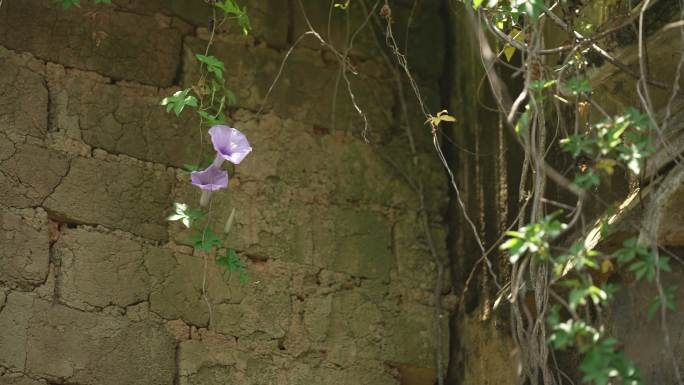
(333, 167)
(358, 324)
(24, 255)
(255, 314)
(359, 173)
(411, 336)
(415, 265)
(147, 7)
(29, 173)
(269, 19)
(59, 343)
(98, 269)
(136, 353)
(316, 317)
(123, 195)
(124, 118)
(120, 45)
(176, 286)
(212, 361)
(423, 41)
(14, 318)
(422, 25)
(23, 101)
(308, 90)
(239, 309)
(18, 379)
(337, 27)
(355, 328)
(365, 373)
(209, 361)
(353, 242)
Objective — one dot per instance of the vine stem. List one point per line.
(343, 59)
(205, 269)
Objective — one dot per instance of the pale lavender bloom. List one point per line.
(230, 144)
(210, 179)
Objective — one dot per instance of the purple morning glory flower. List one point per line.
(230, 144)
(210, 179)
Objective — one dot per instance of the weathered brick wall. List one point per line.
(97, 288)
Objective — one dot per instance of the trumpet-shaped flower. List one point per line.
(210, 179)
(229, 143)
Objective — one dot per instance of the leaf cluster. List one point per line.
(66, 4)
(533, 238)
(625, 139)
(232, 263)
(210, 96)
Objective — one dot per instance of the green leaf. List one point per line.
(587, 180)
(541, 84)
(212, 119)
(515, 247)
(532, 8)
(522, 123)
(576, 298)
(657, 302)
(205, 241)
(214, 65)
(603, 362)
(185, 214)
(579, 256)
(533, 238)
(243, 21)
(229, 7)
(577, 145)
(66, 4)
(179, 101)
(477, 3)
(639, 120)
(231, 262)
(230, 96)
(634, 156)
(565, 334)
(575, 86)
(610, 289)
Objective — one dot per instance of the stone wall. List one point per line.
(96, 287)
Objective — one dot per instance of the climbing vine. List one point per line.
(210, 97)
(561, 280)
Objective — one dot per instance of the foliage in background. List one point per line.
(625, 141)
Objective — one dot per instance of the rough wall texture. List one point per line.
(97, 288)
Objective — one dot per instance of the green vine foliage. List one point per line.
(511, 10)
(620, 141)
(623, 141)
(209, 97)
(66, 4)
